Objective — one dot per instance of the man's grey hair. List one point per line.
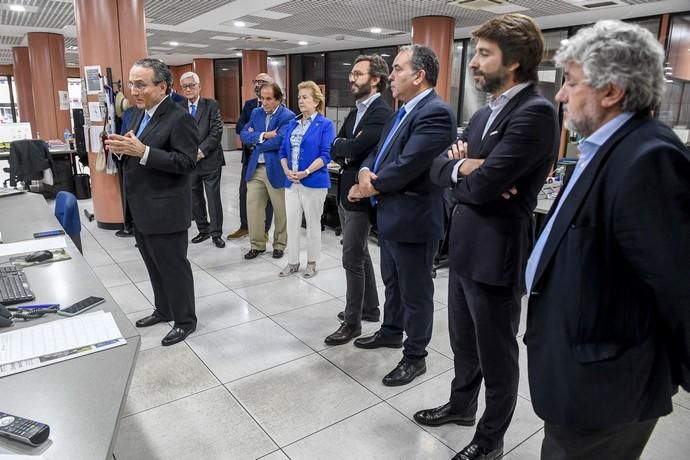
(423, 58)
(614, 52)
(191, 75)
(161, 72)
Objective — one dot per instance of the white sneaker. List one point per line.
(289, 270)
(310, 272)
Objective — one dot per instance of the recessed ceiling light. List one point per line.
(19, 8)
(347, 63)
(385, 55)
(303, 43)
(238, 54)
(224, 69)
(376, 30)
(173, 43)
(240, 24)
(459, 47)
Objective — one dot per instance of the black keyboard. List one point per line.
(14, 288)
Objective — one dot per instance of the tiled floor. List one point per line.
(257, 381)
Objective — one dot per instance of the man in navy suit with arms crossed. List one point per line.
(409, 208)
(510, 144)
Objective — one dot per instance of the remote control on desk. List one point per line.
(23, 430)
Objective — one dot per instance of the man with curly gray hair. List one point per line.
(608, 325)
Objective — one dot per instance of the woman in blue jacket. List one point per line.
(305, 154)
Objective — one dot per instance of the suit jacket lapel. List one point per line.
(156, 117)
(200, 107)
(577, 195)
(406, 121)
(509, 107)
(365, 118)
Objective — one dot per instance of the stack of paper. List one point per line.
(57, 341)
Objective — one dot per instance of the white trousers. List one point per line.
(298, 199)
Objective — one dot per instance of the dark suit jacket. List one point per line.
(159, 195)
(210, 126)
(245, 115)
(410, 207)
(491, 237)
(350, 148)
(608, 326)
(257, 123)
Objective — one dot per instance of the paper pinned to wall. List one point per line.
(95, 111)
(95, 134)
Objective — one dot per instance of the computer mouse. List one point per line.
(39, 256)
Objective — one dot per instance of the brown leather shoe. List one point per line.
(239, 233)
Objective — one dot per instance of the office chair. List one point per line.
(67, 213)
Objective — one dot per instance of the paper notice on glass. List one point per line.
(92, 75)
(64, 100)
(95, 111)
(39, 244)
(57, 341)
(95, 134)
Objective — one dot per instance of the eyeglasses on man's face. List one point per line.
(140, 85)
(259, 82)
(355, 74)
(189, 86)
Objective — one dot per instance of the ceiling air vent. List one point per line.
(596, 4)
(477, 4)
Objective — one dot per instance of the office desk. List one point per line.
(82, 398)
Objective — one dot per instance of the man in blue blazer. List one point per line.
(245, 115)
(409, 208)
(265, 177)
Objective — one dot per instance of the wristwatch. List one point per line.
(307, 171)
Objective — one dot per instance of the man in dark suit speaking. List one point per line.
(409, 208)
(509, 144)
(608, 325)
(209, 159)
(159, 155)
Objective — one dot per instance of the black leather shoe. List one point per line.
(124, 233)
(344, 334)
(474, 452)
(441, 415)
(372, 316)
(218, 242)
(278, 253)
(254, 253)
(200, 237)
(404, 373)
(176, 334)
(378, 340)
(149, 321)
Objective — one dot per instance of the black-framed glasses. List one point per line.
(355, 74)
(259, 82)
(189, 86)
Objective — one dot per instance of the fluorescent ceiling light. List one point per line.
(303, 43)
(173, 43)
(19, 8)
(238, 54)
(376, 30)
(240, 24)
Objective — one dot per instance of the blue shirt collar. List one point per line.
(590, 145)
(410, 105)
